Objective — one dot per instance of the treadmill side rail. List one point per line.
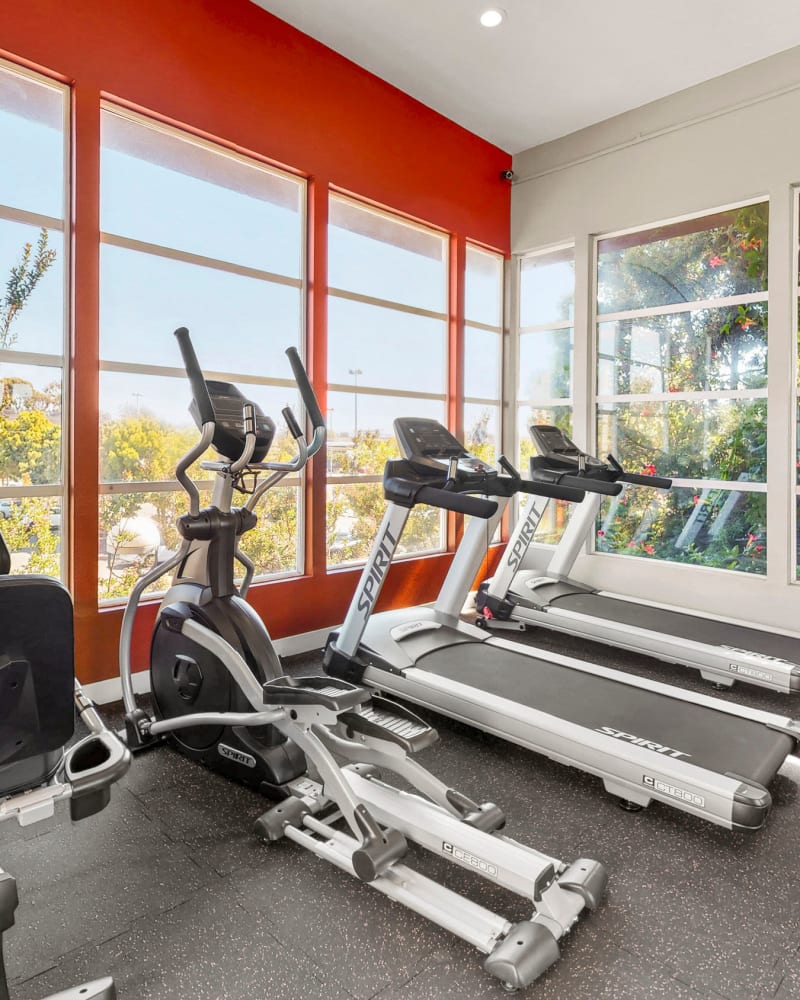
(626, 770)
(751, 805)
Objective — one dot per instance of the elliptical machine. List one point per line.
(220, 693)
(186, 677)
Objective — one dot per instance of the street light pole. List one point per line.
(355, 372)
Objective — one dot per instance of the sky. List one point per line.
(240, 323)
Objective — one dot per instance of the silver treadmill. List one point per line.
(724, 651)
(645, 740)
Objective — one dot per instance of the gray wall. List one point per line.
(731, 140)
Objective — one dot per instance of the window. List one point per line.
(544, 390)
(483, 352)
(387, 357)
(682, 387)
(33, 265)
(195, 236)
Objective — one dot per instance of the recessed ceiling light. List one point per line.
(492, 17)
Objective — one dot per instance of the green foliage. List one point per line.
(31, 530)
(30, 448)
(23, 279)
(705, 350)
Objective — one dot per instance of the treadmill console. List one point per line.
(430, 447)
(557, 451)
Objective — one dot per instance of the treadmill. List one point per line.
(724, 651)
(645, 740)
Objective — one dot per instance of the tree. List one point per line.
(23, 279)
(706, 349)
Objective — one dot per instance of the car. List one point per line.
(6, 509)
(132, 539)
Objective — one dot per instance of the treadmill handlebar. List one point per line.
(654, 482)
(460, 503)
(555, 489)
(581, 482)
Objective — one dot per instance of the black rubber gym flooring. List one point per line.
(169, 891)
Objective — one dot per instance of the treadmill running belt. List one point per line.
(711, 739)
(680, 625)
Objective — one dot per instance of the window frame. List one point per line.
(596, 318)
(334, 292)
(61, 490)
(498, 329)
(296, 481)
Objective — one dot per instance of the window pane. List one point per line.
(711, 349)
(547, 288)
(162, 187)
(722, 528)
(32, 126)
(138, 529)
(482, 431)
(145, 425)
(482, 351)
(691, 261)
(545, 365)
(31, 528)
(36, 323)
(483, 287)
(30, 425)
(367, 451)
(703, 439)
(389, 349)
(238, 324)
(354, 514)
(373, 254)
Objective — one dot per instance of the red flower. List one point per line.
(759, 548)
(649, 470)
(601, 534)
(696, 497)
(751, 539)
(649, 549)
(716, 262)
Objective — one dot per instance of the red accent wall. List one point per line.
(228, 70)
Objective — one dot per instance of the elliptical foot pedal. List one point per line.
(382, 719)
(526, 952)
(325, 692)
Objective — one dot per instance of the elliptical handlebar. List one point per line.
(205, 409)
(310, 402)
(196, 378)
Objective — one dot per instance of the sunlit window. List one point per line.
(483, 352)
(195, 236)
(544, 388)
(682, 388)
(387, 358)
(33, 265)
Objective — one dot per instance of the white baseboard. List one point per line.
(105, 692)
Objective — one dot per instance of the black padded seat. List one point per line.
(37, 715)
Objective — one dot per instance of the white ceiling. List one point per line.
(550, 68)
